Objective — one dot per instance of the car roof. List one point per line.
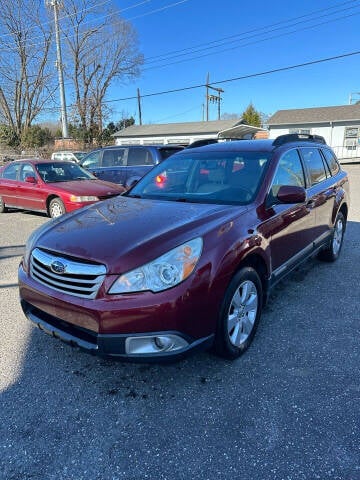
(37, 161)
(114, 147)
(261, 145)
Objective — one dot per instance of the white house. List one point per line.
(340, 126)
(184, 133)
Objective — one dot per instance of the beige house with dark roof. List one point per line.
(184, 133)
(340, 126)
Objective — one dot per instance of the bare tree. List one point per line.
(25, 78)
(102, 48)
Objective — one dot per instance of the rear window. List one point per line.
(166, 152)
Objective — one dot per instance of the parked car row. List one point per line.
(187, 257)
(30, 184)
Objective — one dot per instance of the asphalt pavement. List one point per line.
(289, 409)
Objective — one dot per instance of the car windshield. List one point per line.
(231, 178)
(53, 172)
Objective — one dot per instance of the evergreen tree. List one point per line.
(251, 116)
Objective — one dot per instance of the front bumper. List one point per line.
(114, 345)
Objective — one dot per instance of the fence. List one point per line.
(348, 154)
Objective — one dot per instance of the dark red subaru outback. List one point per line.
(187, 257)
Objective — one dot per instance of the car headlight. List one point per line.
(76, 199)
(165, 272)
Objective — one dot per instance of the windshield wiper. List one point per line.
(133, 196)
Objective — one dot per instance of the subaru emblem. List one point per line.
(58, 267)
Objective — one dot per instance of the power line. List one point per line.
(207, 44)
(234, 79)
(250, 43)
(243, 77)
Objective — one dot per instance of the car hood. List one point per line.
(123, 233)
(89, 187)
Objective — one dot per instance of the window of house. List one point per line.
(351, 137)
(306, 131)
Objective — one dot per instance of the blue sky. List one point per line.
(246, 38)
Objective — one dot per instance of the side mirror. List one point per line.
(30, 179)
(291, 194)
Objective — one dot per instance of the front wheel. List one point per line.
(332, 251)
(56, 208)
(240, 314)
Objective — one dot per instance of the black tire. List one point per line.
(56, 208)
(3, 208)
(332, 251)
(239, 314)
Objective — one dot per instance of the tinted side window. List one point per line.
(10, 171)
(289, 171)
(315, 164)
(114, 157)
(331, 161)
(139, 156)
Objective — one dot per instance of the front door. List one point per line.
(288, 228)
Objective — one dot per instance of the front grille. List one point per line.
(73, 277)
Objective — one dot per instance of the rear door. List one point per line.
(322, 190)
(30, 195)
(9, 183)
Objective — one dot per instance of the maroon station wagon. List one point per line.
(187, 257)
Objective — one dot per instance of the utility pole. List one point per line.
(207, 96)
(212, 98)
(56, 4)
(139, 105)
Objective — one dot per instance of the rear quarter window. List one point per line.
(331, 161)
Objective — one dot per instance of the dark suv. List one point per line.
(187, 257)
(126, 164)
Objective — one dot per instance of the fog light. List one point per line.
(163, 343)
(154, 344)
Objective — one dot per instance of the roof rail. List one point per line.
(298, 137)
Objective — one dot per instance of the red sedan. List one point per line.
(52, 187)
